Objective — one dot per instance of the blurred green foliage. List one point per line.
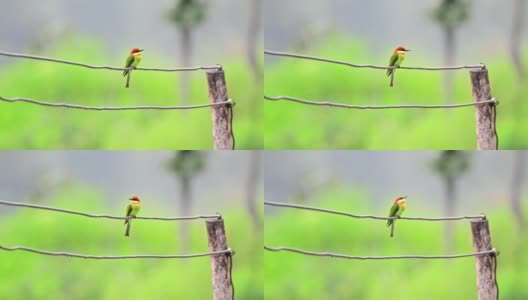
(32, 276)
(294, 276)
(295, 126)
(28, 126)
(188, 13)
(451, 13)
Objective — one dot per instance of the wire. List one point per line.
(76, 106)
(109, 216)
(230, 255)
(369, 216)
(76, 255)
(336, 255)
(495, 275)
(325, 103)
(286, 54)
(27, 56)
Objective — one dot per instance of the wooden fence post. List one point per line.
(222, 115)
(486, 264)
(485, 113)
(220, 264)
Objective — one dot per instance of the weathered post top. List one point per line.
(485, 114)
(222, 115)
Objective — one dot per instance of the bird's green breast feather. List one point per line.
(137, 59)
(135, 209)
(401, 58)
(400, 210)
(132, 209)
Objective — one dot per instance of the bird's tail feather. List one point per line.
(127, 233)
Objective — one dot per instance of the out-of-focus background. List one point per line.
(100, 182)
(439, 33)
(438, 184)
(174, 33)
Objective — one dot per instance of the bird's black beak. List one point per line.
(405, 197)
(405, 50)
(129, 198)
(141, 50)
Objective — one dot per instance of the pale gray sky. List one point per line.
(384, 24)
(384, 175)
(123, 24)
(119, 174)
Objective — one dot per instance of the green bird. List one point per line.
(131, 211)
(398, 56)
(397, 209)
(133, 59)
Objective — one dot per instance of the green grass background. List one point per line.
(28, 126)
(294, 276)
(31, 276)
(295, 126)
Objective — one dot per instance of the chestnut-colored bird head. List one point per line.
(135, 50)
(399, 199)
(134, 198)
(401, 48)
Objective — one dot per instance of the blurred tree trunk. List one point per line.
(449, 210)
(185, 57)
(449, 60)
(515, 38)
(185, 209)
(186, 164)
(450, 14)
(255, 67)
(252, 188)
(255, 23)
(519, 172)
(186, 15)
(450, 164)
(518, 15)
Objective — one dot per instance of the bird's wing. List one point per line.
(393, 59)
(392, 62)
(129, 61)
(128, 211)
(392, 213)
(393, 210)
